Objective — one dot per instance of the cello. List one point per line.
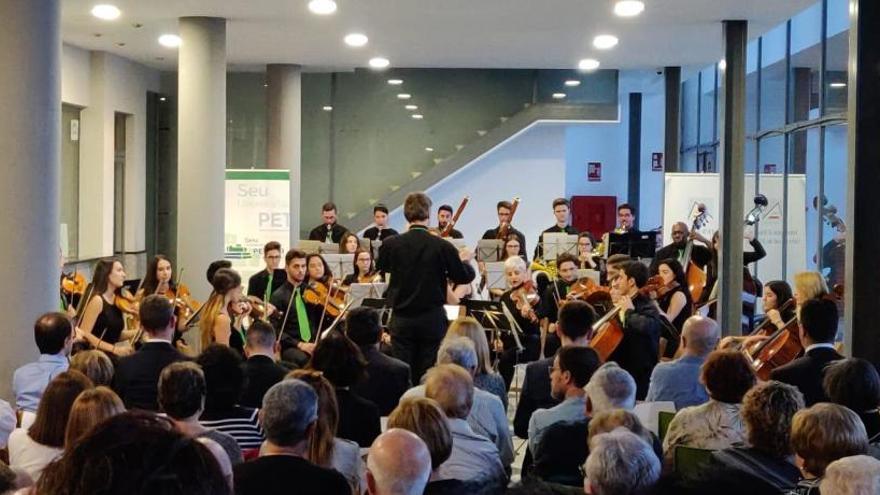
(694, 275)
(782, 347)
(449, 225)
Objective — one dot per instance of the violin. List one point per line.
(656, 288)
(73, 284)
(585, 289)
(184, 305)
(326, 296)
(526, 297)
(129, 305)
(448, 228)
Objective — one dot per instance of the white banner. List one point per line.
(257, 211)
(683, 190)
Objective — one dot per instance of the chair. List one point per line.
(648, 411)
(663, 420)
(689, 461)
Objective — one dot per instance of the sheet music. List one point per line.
(358, 292)
(495, 278)
(557, 243)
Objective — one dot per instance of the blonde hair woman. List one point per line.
(486, 378)
(808, 285)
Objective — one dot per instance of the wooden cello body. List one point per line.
(781, 348)
(693, 274)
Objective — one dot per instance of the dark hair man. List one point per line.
(505, 210)
(329, 231)
(263, 283)
(561, 211)
(444, 216)
(53, 334)
(387, 377)
(295, 319)
(381, 230)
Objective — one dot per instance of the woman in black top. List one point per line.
(675, 304)
(102, 323)
(318, 269)
(524, 316)
(364, 270)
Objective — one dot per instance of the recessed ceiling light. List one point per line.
(404, 96)
(169, 40)
(629, 8)
(588, 64)
(558, 96)
(429, 149)
(322, 7)
(356, 39)
(722, 64)
(395, 82)
(327, 108)
(571, 83)
(418, 116)
(106, 12)
(162, 98)
(412, 107)
(605, 41)
(379, 62)
(838, 85)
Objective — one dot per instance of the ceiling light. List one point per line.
(106, 12)
(571, 83)
(838, 85)
(395, 82)
(327, 108)
(404, 96)
(588, 64)
(412, 107)
(169, 40)
(418, 116)
(628, 8)
(558, 96)
(605, 41)
(722, 64)
(356, 39)
(379, 62)
(429, 149)
(322, 7)
(162, 98)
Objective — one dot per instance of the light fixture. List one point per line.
(379, 62)
(429, 149)
(412, 107)
(629, 8)
(106, 12)
(327, 108)
(418, 116)
(558, 96)
(571, 83)
(722, 64)
(322, 7)
(162, 98)
(356, 39)
(395, 82)
(837, 85)
(588, 64)
(169, 40)
(605, 41)
(404, 96)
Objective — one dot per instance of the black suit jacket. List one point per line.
(387, 379)
(136, 379)
(319, 233)
(806, 373)
(637, 352)
(358, 418)
(374, 234)
(700, 255)
(261, 372)
(535, 394)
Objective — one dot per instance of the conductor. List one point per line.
(420, 265)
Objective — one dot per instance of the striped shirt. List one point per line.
(241, 423)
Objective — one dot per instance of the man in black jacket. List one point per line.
(818, 326)
(387, 378)
(137, 376)
(420, 266)
(295, 319)
(505, 211)
(329, 231)
(263, 283)
(260, 370)
(700, 254)
(444, 216)
(381, 230)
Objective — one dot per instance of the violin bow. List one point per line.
(286, 315)
(336, 321)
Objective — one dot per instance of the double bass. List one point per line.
(694, 275)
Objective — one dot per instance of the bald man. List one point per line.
(398, 464)
(700, 254)
(679, 381)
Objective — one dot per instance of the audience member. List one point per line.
(571, 370)
(341, 362)
(182, 398)
(620, 463)
(53, 334)
(474, 458)
(856, 475)
(94, 364)
(90, 408)
(137, 375)
(679, 381)
(10, 481)
(818, 326)
(820, 435)
(8, 422)
(387, 378)
(398, 464)
(224, 379)
(485, 378)
(717, 424)
(288, 416)
(855, 383)
(611, 387)
(608, 421)
(32, 449)
(135, 453)
(261, 370)
(325, 448)
(487, 417)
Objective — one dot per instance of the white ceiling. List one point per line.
(431, 33)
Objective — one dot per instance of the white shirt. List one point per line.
(29, 456)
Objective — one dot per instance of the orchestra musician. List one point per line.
(364, 269)
(504, 208)
(349, 243)
(103, 323)
(585, 246)
(444, 216)
(329, 231)
(318, 269)
(381, 230)
(749, 257)
(159, 279)
(262, 284)
(217, 324)
(700, 255)
(295, 329)
(674, 301)
(626, 218)
(512, 247)
(773, 298)
(554, 296)
(522, 300)
(561, 209)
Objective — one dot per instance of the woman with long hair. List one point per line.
(102, 323)
(90, 408)
(317, 269)
(216, 322)
(364, 268)
(349, 243)
(675, 303)
(486, 378)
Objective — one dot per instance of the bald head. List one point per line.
(699, 335)
(398, 464)
(679, 233)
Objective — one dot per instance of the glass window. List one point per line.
(70, 132)
(837, 55)
(689, 122)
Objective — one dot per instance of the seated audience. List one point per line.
(10, 481)
(288, 416)
(766, 465)
(398, 464)
(137, 375)
(474, 458)
(223, 384)
(182, 398)
(572, 369)
(486, 378)
(608, 421)
(32, 449)
(818, 326)
(90, 408)
(261, 370)
(856, 475)
(325, 448)
(135, 453)
(717, 424)
(620, 463)
(820, 435)
(94, 364)
(53, 334)
(679, 381)
(387, 378)
(486, 416)
(855, 383)
(341, 362)
(8, 422)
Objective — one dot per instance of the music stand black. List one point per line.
(493, 317)
(636, 245)
(380, 305)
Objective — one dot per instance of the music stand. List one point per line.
(380, 305)
(556, 243)
(489, 249)
(635, 244)
(340, 264)
(458, 243)
(495, 318)
(308, 247)
(495, 278)
(329, 248)
(357, 293)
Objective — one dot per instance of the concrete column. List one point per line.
(672, 140)
(634, 151)
(201, 149)
(30, 138)
(284, 129)
(732, 175)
